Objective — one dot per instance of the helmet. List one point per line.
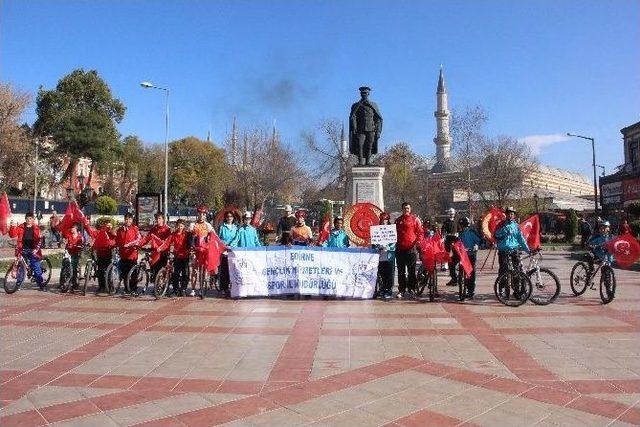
(202, 209)
(464, 221)
(451, 211)
(605, 224)
(247, 214)
(301, 214)
(510, 209)
(287, 208)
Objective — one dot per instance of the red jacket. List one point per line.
(409, 229)
(17, 232)
(74, 244)
(162, 233)
(180, 242)
(127, 240)
(103, 241)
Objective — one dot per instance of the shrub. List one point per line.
(105, 219)
(571, 226)
(106, 205)
(635, 227)
(634, 209)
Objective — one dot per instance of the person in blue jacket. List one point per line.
(228, 231)
(386, 264)
(247, 234)
(471, 241)
(510, 239)
(338, 237)
(596, 245)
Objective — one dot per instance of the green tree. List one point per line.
(81, 115)
(571, 226)
(106, 205)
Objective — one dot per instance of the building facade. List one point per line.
(620, 189)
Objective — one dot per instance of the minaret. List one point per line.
(234, 143)
(442, 139)
(344, 153)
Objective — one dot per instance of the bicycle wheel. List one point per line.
(113, 279)
(579, 278)
(11, 283)
(137, 276)
(88, 275)
(545, 284)
(202, 283)
(432, 283)
(462, 283)
(512, 288)
(607, 284)
(421, 282)
(45, 266)
(161, 283)
(65, 276)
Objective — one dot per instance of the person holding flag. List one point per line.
(598, 246)
(28, 240)
(337, 237)
(471, 241)
(509, 240)
(74, 244)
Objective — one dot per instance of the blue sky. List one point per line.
(538, 67)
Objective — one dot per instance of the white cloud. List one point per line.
(538, 142)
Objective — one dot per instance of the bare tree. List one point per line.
(14, 141)
(503, 169)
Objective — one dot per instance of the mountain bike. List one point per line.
(112, 274)
(90, 271)
(427, 279)
(66, 272)
(582, 275)
(20, 269)
(545, 283)
(140, 273)
(163, 278)
(198, 276)
(513, 287)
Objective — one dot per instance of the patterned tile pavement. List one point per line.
(111, 361)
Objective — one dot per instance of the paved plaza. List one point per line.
(114, 361)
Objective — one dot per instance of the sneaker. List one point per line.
(387, 296)
(192, 293)
(469, 295)
(399, 295)
(452, 283)
(134, 294)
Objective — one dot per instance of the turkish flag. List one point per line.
(530, 229)
(325, 230)
(491, 221)
(215, 248)
(257, 217)
(5, 214)
(155, 243)
(432, 251)
(465, 262)
(625, 249)
(70, 218)
(441, 254)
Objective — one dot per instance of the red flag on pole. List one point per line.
(465, 262)
(5, 214)
(491, 222)
(69, 218)
(257, 216)
(530, 229)
(325, 230)
(215, 248)
(155, 242)
(625, 249)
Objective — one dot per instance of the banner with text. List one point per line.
(306, 270)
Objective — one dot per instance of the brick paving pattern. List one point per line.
(69, 360)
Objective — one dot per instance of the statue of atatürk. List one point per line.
(365, 126)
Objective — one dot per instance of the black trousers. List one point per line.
(471, 281)
(162, 261)
(180, 276)
(406, 261)
(224, 273)
(503, 260)
(125, 267)
(454, 260)
(385, 270)
(101, 271)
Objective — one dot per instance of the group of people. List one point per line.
(292, 230)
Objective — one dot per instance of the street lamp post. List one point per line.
(148, 85)
(595, 180)
(35, 179)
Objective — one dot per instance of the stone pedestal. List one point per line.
(364, 184)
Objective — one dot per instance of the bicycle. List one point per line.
(140, 273)
(66, 272)
(545, 283)
(197, 276)
(427, 279)
(112, 274)
(513, 287)
(163, 278)
(581, 277)
(90, 271)
(20, 269)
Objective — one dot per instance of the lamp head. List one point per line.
(146, 84)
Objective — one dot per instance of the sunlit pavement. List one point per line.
(105, 361)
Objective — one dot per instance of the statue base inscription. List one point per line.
(364, 184)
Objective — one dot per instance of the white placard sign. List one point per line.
(311, 270)
(383, 234)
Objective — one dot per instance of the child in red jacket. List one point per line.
(27, 236)
(179, 239)
(74, 245)
(103, 244)
(127, 239)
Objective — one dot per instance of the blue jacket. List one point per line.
(598, 242)
(248, 237)
(470, 238)
(228, 234)
(337, 239)
(510, 237)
